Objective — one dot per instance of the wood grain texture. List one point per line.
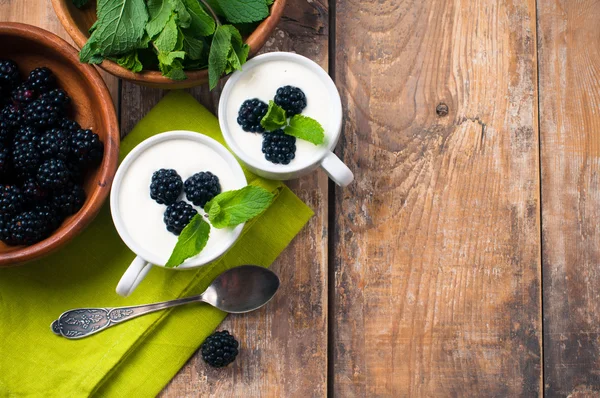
(437, 254)
(569, 69)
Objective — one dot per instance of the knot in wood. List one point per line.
(441, 109)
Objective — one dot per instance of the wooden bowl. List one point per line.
(92, 107)
(77, 23)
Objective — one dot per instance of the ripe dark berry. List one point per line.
(178, 215)
(54, 143)
(41, 79)
(53, 175)
(279, 147)
(11, 199)
(42, 113)
(70, 125)
(292, 99)
(12, 115)
(6, 131)
(68, 200)
(4, 159)
(165, 186)
(86, 148)
(32, 192)
(9, 74)
(26, 159)
(4, 232)
(58, 97)
(50, 214)
(26, 134)
(219, 349)
(23, 94)
(202, 187)
(27, 228)
(250, 114)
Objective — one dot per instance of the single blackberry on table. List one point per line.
(52, 216)
(9, 74)
(292, 99)
(25, 159)
(250, 114)
(26, 134)
(165, 186)
(202, 187)
(11, 199)
(279, 147)
(178, 215)
(42, 113)
(54, 143)
(219, 349)
(23, 94)
(68, 200)
(70, 125)
(12, 115)
(32, 192)
(58, 97)
(41, 79)
(27, 228)
(86, 148)
(53, 175)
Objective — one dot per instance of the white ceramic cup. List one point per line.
(145, 259)
(333, 166)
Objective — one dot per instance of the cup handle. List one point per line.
(136, 273)
(337, 170)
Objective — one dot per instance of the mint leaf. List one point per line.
(170, 65)
(242, 11)
(232, 208)
(130, 61)
(89, 53)
(201, 23)
(217, 58)
(160, 11)
(306, 128)
(121, 25)
(184, 19)
(80, 3)
(191, 241)
(275, 118)
(193, 47)
(167, 39)
(239, 52)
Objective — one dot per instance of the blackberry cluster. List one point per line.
(202, 187)
(165, 186)
(44, 156)
(219, 349)
(178, 215)
(278, 147)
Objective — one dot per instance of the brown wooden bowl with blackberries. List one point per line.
(59, 143)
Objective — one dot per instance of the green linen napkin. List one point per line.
(139, 357)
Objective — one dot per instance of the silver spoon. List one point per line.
(238, 290)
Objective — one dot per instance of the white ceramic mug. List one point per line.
(145, 259)
(333, 166)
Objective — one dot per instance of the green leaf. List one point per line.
(184, 19)
(191, 241)
(93, 27)
(167, 39)
(201, 23)
(193, 47)
(176, 72)
(232, 208)
(121, 25)
(275, 118)
(170, 65)
(169, 58)
(240, 50)
(130, 61)
(242, 11)
(160, 11)
(80, 3)
(306, 129)
(217, 58)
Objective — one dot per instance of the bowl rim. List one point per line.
(108, 167)
(155, 77)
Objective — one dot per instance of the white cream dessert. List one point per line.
(143, 217)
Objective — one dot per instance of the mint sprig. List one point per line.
(299, 126)
(227, 209)
(275, 118)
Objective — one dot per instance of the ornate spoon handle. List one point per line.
(82, 322)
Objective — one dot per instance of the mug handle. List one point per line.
(337, 170)
(136, 273)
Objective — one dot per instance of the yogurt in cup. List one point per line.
(139, 219)
(260, 78)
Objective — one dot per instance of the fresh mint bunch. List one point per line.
(227, 209)
(299, 126)
(172, 35)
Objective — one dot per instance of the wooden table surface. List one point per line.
(465, 258)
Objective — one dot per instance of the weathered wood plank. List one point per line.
(284, 345)
(569, 60)
(437, 259)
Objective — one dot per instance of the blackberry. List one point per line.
(50, 215)
(165, 186)
(53, 175)
(202, 187)
(42, 113)
(178, 215)
(4, 232)
(12, 115)
(9, 74)
(219, 349)
(77, 173)
(27, 228)
(292, 99)
(26, 134)
(68, 200)
(86, 148)
(25, 159)
(54, 143)
(58, 97)
(23, 94)
(6, 131)
(250, 114)
(4, 159)
(279, 147)
(41, 79)
(11, 199)
(70, 125)
(32, 192)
